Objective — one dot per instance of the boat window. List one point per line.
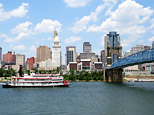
(56, 79)
(40, 76)
(52, 76)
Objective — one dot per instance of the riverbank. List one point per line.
(138, 78)
(125, 79)
(8, 79)
(5, 79)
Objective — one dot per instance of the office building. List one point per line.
(86, 47)
(9, 58)
(30, 63)
(43, 53)
(127, 53)
(103, 56)
(113, 49)
(70, 54)
(56, 60)
(147, 47)
(97, 66)
(73, 65)
(20, 60)
(136, 49)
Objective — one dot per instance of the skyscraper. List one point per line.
(113, 50)
(103, 56)
(70, 54)
(43, 53)
(86, 47)
(20, 60)
(0, 54)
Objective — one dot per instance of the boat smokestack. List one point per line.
(20, 71)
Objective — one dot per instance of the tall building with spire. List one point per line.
(56, 60)
(56, 51)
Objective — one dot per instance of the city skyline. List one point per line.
(30, 24)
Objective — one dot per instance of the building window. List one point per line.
(56, 43)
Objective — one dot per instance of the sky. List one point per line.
(27, 24)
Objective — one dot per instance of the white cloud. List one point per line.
(22, 27)
(48, 25)
(22, 30)
(128, 15)
(72, 39)
(76, 3)
(82, 23)
(19, 47)
(151, 39)
(21, 11)
(112, 1)
(127, 42)
(13, 39)
(128, 19)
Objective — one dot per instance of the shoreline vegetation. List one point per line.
(72, 75)
(8, 79)
(84, 76)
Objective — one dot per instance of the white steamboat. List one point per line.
(37, 80)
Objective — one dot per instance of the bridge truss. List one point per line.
(135, 59)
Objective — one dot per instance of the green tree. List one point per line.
(1, 72)
(72, 72)
(27, 72)
(58, 69)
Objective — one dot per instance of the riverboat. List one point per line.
(37, 80)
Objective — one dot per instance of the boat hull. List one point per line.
(19, 86)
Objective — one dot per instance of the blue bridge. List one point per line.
(114, 64)
(114, 73)
(135, 59)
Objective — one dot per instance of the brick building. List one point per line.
(30, 63)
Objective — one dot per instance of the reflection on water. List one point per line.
(84, 98)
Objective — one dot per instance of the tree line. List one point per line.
(7, 73)
(84, 75)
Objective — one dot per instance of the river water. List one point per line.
(81, 98)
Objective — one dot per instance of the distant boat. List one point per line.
(37, 80)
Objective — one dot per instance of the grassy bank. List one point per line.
(5, 79)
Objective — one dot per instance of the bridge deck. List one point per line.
(134, 59)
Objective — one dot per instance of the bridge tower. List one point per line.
(113, 52)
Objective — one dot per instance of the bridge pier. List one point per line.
(113, 75)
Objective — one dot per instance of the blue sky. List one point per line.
(27, 24)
